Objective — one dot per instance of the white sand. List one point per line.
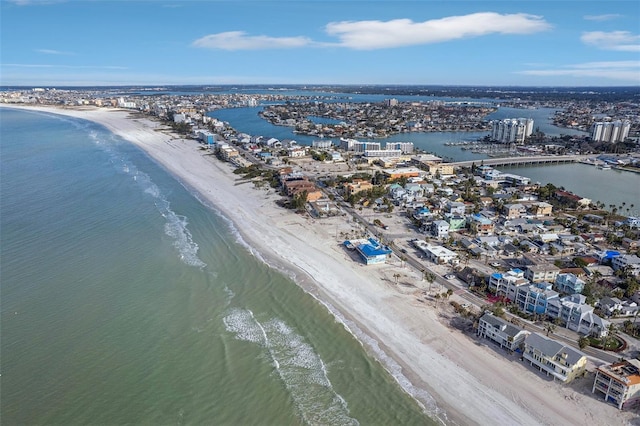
(457, 379)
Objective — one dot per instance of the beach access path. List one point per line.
(458, 378)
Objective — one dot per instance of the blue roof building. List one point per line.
(371, 251)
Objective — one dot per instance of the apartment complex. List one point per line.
(511, 130)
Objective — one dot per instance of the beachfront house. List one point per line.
(553, 358)
(619, 383)
(503, 333)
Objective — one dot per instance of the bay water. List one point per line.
(125, 300)
(610, 187)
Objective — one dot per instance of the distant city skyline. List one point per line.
(517, 43)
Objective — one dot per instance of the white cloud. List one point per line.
(605, 17)
(53, 52)
(239, 40)
(622, 41)
(613, 70)
(369, 35)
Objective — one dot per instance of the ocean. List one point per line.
(125, 300)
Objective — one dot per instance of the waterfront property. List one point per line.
(370, 250)
(503, 333)
(553, 358)
(619, 383)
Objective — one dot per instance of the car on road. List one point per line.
(449, 276)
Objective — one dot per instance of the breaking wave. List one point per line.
(176, 226)
(299, 367)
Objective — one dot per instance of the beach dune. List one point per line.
(457, 378)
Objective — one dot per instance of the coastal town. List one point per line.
(547, 276)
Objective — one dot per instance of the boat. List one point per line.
(604, 167)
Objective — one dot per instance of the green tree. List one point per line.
(583, 342)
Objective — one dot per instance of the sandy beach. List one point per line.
(458, 378)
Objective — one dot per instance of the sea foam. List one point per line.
(300, 368)
(176, 226)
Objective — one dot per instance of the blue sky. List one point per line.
(513, 43)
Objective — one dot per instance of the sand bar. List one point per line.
(458, 379)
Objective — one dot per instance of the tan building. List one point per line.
(542, 209)
(444, 169)
(229, 153)
(513, 211)
(545, 272)
(407, 172)
(619, 383)
(295, 186)
(358, 185)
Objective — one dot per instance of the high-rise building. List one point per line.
(511, 130)
(610, 131)
(405, 147)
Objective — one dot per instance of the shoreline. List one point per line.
(469, 383)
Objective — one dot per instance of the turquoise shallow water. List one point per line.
(127, 301)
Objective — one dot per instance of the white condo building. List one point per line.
(511, 130)
(405, 147)
(610, 131)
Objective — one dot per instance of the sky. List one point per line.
(51, 43)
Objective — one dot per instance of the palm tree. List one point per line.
(437, 297)
(396, 276)
(430, 277)
(549, 328)
(583, 342)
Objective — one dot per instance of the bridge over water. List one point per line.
(521, 161)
